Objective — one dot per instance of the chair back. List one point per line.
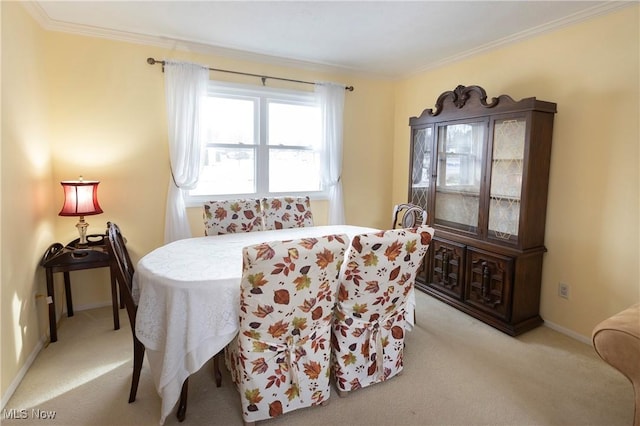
(375, 283)
(282, 353)
(286, 212)
(122, 268)
(408, 216)
(231, 216)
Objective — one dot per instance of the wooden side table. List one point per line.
(59, 258)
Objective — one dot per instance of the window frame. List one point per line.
(261, 96)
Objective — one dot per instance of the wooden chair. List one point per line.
(280, 360)
(123, 269)
(369, 325)
(408, 215)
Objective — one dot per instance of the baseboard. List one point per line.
(25, 367)
(36, 350)
(90, 306)
(567, 332)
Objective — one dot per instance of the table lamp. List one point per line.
(80, 199)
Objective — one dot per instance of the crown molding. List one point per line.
(48, 24)
(41, 17)
(592, 12)
(36, 12)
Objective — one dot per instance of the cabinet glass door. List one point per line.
(506, 178)
(421, 165)
(459, 173)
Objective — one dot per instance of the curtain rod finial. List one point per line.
(151, 61)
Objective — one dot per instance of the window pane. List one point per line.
(259, 141)
(227, 171)
(294, 125)
(292, 170)
(229, 120)
(458, 176)
(460, 155)
(421, 170)
(506, 178)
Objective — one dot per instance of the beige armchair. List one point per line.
(617, 341)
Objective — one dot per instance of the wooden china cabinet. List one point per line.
(481, 171)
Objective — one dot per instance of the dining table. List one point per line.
(188, 295)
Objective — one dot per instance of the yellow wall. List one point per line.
(75, 105)
(108, 123)
(27, 213)
(591, 71)
(105, 111)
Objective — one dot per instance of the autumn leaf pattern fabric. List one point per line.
(230, 216)
(280, 360)
(286, 212)
(369, 324)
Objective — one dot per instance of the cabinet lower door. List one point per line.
(489, 282)
(448, 267)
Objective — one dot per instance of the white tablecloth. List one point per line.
(189, 298)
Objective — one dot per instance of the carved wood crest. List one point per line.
(459, 97)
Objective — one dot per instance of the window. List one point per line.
(259, 142)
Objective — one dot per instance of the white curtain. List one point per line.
(185, 88)
(331, 98)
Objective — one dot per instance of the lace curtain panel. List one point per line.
(185, 89)
(331, 98)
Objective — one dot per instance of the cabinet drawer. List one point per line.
(448, 267)
(489, 282)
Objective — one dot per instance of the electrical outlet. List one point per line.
(563, 290)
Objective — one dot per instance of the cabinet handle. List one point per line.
(486, 281)
(445, 268)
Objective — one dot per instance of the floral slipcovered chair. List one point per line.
(280, 360)
(376, 280)
(230, 216)
(286, 212)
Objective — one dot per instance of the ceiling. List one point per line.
(388, 39)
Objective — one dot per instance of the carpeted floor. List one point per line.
(458, 371)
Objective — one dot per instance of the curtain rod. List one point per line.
(152, 61)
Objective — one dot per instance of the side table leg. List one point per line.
(67, 290)
(51, 300)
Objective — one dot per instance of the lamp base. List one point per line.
(82, 230)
